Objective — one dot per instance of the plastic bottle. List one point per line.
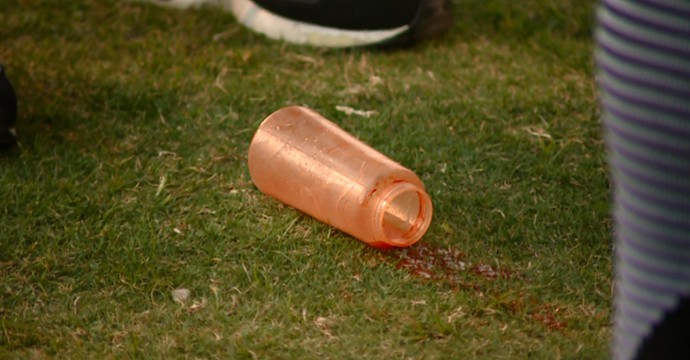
(304, 160)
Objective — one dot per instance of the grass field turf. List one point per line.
(130, 180)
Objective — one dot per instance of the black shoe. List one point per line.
(345, 23)
(8, 111)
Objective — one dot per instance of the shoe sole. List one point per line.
(433, 17)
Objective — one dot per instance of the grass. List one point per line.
(130, 180)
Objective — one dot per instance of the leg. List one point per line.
(643, 55)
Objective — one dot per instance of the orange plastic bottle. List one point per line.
(302, 159)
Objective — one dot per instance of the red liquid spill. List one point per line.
(450, 266)
(548, 315)
(444, 264)
(490, 272)
(433, 263)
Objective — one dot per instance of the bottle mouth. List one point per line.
(403, 214)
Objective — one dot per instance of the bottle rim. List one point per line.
(420, 224)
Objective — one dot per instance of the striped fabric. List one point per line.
(643, 58)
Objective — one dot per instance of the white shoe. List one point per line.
(186, 4)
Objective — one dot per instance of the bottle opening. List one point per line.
(401, 214)
(406, 215)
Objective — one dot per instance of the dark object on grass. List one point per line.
(8, 110)
(346, 23)
(669, 339)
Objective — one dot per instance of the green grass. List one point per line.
(499, 119)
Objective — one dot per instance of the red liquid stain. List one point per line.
(549, 316)
(450, 266)
(485, 270)
(445, 265)
(488, 271)
(430, 262)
